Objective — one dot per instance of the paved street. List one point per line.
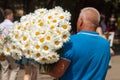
(113, 73)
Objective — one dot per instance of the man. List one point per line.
(86, 56)
(6, 25)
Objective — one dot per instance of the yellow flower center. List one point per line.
(16, 54)
(37, 47)
(64, 26)
(61, 17)
(16, 36)
(27, 24)
(57, 42)
(38, 55)
(52, 27)
(64, 36)
(19, 27)
(53, 56)
(8, 49)
(50, 57)
(49, 17)
(24, 38)
(45, 48)
(44, 59)
(48, 37)
(33, 22)
(25, 28)
(41, 24)
(43, 32)
(41, 12)
(54, 21)
(26, 45)
(28, 52)
(58, 32)
(37, 33)
(39, 21)
(13, 47)
(42, 40)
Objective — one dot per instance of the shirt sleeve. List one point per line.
(67, 51)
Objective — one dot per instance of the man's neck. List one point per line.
(88, 28)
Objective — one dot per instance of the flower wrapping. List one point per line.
(40, 35)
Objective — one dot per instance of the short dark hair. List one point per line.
(7, 12)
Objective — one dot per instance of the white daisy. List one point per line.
(7, 49)
(58, 43)
(65, 36)
(52, 58)
(55, 21)
(41, 40)
(17, 54)
(67, 16)
(15, 36)
(28, 53)
(14, 46)
(59, 31)
(65, 25)
(58, 8)
(43, 60)
(25, 46)
(36, 33)
(48, 37)
(41, 11)
(25, 37)
(52, 27)
(36, 46)
(37, 55)
(46, 47)
(17, 26)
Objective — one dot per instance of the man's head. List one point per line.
(8, 14)
(88, 19)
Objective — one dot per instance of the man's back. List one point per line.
(88, 55)
(5, 26)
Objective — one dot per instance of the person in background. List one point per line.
(31, 69)
(102, 23)
(101, 29)
(103, 34)
(5, 26)
(86, 55)
(112, 23)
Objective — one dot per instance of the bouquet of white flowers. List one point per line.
(39, 35)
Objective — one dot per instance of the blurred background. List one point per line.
(20, 7)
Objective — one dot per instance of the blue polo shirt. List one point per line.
(88, 54)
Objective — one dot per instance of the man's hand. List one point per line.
(59, 68)
(2, 57)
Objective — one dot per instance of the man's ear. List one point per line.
(79, 24)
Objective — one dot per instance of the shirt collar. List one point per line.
(88, 32)
(8, 20)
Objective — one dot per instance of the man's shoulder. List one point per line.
(73, 36)
(9, 22)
